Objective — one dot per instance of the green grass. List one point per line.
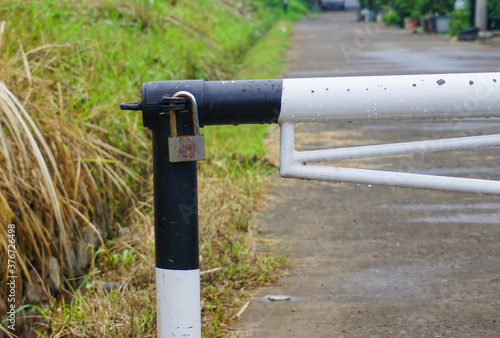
(79, 59)
(105, 50)
(263, 61)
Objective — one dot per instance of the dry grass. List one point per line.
(58, 180)
(61, 183)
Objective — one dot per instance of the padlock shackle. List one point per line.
(194, 111)
(218, 102)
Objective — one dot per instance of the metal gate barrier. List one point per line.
(177, 145)
(414, 97)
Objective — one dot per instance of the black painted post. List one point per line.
(472, 5)
(176, 236)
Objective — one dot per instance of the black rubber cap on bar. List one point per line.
(241, 102)
(219, 102)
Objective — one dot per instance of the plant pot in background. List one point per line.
(468, 34)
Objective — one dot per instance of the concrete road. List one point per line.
(370, 261)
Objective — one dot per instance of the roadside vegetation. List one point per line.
(75, 171)
(395, 12)
(415, 9)
(494, 14)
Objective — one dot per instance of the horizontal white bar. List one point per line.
(437, 96)
(393, 179)
(471, 142)
(291, 165)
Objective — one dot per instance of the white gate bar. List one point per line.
(471, 142)
(437, 96)
(293, 166)
(394, 179)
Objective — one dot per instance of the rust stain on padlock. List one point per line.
(186, 148)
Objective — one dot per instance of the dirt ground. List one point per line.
(370, 261)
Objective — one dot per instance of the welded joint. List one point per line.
(287, 149)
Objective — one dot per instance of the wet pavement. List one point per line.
(371, 261)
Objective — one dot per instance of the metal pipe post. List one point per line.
(176, 236)
(481, 19)
(175, 184)
(472, 17)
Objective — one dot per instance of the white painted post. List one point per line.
(482, 14)
(178, 303)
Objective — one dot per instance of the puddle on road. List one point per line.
(441, 207)
(459, 218)
(453, 171)
(438, 125)
(405, 282)
(440, 60)
(469, 218)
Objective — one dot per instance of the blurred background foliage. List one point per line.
(397, 10)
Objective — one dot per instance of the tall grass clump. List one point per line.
(63, 185)
(75, 172)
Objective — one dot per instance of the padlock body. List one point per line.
(186, 148)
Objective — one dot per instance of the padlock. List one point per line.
(186, 148)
